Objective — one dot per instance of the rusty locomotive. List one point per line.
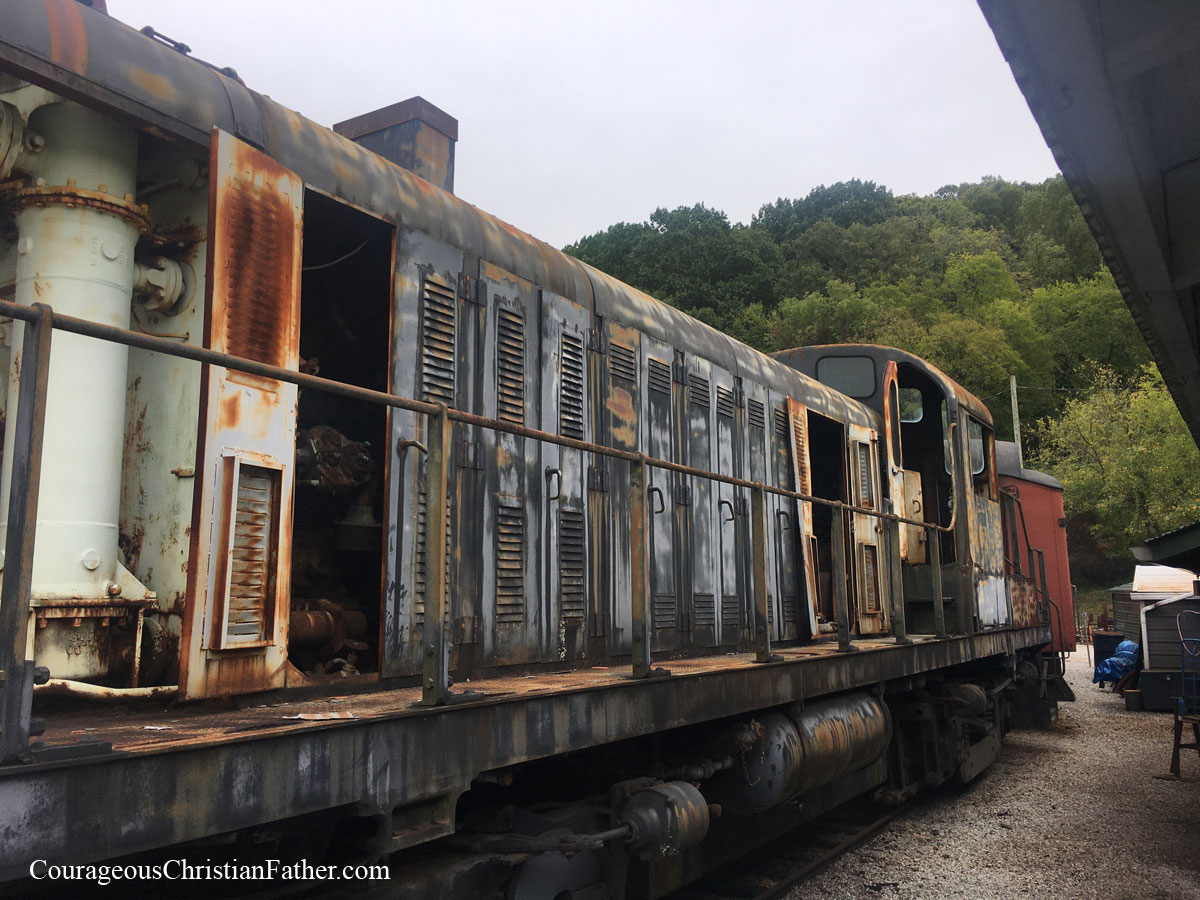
(682, 596)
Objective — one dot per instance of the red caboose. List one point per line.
(1034, 519)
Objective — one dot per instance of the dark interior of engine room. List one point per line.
(826, 446)
(345, 331)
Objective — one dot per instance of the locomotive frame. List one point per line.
(666, 507)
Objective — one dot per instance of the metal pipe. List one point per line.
(640, 574)
(17, 672)
(64, 687)
(758, 549)
(841, 601)
(435, 687)
(896, 594)
(316, 383)
(939, 607)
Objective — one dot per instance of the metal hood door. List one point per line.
(239, 578)
(802, 484)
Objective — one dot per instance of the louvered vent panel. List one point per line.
(665, 610)
(704, 609)
(870, 578)
(571, 558)
(438, 348)
(251, 600)
(730, 609)
(570, 391)
(510, 366)
(781, 422)
(660, 377)
(622, 361)
(725, 402)
(789, 609)
(800, 448)
(865, 495)
(756, 413)
(698, 391)
(510, 564)
(420, 580)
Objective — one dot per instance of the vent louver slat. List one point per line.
(438, 345)
(510, 564)
(622, 362)
(420, 579)
(870, 578)
(660, 377)
(570, 407)
(757, 414)
(800, 448)
(571, 557)
(781, 422)
(866, 497)
(725, 402)
(510, 366)
(698, 391)
(250, 601)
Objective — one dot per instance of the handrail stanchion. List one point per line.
(935, 562)
(435, 685)
(640, 574)
(18, 674)
(896, 595)
(841, 600)
(758, 552)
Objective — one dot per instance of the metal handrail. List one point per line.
(16, 684)
(143, 341)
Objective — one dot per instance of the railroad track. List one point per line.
(771, 871)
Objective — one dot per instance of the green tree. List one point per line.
(1126, 460)
(976, 280)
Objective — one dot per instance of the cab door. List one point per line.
(239, 575)
(867, 531)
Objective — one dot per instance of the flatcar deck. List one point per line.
(192, 772)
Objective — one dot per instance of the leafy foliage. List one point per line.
(986, 280)
(1126, 460)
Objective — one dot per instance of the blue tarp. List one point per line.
(1118, 664)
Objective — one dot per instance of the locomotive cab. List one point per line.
(938, 468)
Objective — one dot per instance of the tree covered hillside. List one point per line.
(985, 280)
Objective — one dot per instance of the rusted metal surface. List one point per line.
(435, 683)
(213, 772)
(17, 678)
(238, 581)
(16, 195)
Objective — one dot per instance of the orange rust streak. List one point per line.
(153, 83)
(68, 37)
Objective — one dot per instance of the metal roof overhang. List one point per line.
(1115, 87)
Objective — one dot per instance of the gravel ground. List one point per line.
(1074, 812)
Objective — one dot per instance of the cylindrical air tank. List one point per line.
(75, 252)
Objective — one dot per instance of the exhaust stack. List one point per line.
(414, 134)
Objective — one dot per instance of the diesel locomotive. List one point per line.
(345, 522)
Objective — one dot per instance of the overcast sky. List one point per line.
(575, 116)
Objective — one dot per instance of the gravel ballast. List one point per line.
(1072, 812)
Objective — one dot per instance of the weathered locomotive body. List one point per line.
(281, 362)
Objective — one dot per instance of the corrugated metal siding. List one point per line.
(1162, 650)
